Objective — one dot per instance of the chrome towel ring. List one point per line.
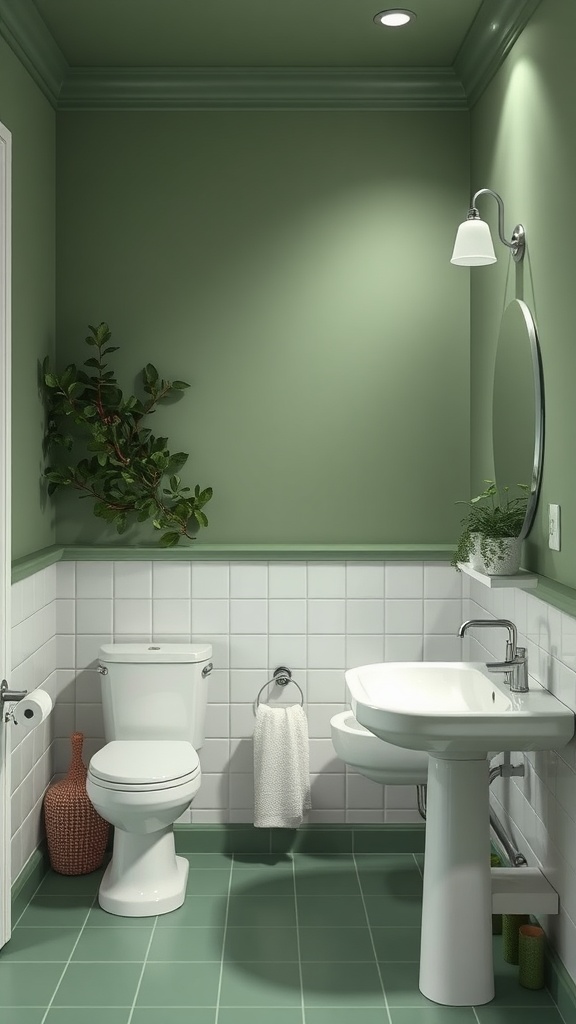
(282, 676)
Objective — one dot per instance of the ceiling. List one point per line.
(255, 33)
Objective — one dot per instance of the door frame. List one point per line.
(5, 516)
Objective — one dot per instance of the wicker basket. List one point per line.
(77, 835)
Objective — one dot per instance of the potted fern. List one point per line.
(491, 530)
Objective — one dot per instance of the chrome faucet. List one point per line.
(515, 664)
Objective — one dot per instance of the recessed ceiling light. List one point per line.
(394, 17)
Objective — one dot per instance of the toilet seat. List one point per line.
(144, 765)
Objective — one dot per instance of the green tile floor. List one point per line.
(302, 939)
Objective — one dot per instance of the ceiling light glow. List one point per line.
(394, 18)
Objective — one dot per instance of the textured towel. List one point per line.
(281, 767)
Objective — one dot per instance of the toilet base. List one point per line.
(144, 877)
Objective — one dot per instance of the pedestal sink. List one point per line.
(458, 712)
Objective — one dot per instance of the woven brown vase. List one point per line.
(77, 835)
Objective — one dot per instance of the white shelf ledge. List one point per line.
(522, 579)
(522, 891)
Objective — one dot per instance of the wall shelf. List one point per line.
(522, 579)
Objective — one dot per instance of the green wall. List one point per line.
(524, 146)
(294, 268)
(28, 115)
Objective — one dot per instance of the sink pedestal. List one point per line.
(456, 967)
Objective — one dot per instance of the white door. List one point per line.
(5, 546)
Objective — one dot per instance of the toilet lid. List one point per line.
(145, 762)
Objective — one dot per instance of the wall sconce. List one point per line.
(473, 246)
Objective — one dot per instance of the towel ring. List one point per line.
(282, 676)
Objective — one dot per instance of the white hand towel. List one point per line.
(281, 767)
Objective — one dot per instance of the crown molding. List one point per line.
(492, 35)
(261, 89)
(28, 36)
(457, 88)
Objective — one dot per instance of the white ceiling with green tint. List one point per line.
(254, 33)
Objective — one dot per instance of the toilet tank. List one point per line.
(155, 691)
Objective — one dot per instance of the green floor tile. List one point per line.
(54, 884)
(266, 882)
(98, 985)
(259, 944)
(112, 944)
(324, 862)
(93, 1015)
(173, 944)
(390, 839)
(211, 882)
(346, 911)
(318, 840)
(22, 986)
(394, 910)
(200, 911)
(337, 984)
(27, 1015)
(525, 1015)
(330, 883)
(336, 1015)
(343, 944)
(209, 861)
(508, 992)
(56, 911)
(257, 1015)
(260, 984)
(272, 861)
(262, 911)
(394, 944)
(170, 1015)
(433, 1015)
(98, 918)
(190, 984)
(390, 874)
(48, 944)
(401, 985)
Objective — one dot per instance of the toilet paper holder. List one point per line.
(8, 696)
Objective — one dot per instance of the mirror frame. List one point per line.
(539, 424)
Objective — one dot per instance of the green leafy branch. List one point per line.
(493, 515)
(128, 472)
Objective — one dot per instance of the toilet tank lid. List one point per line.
(160, 654)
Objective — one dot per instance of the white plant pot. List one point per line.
(475, 560)
(503, 558)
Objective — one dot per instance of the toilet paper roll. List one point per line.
(29, 712)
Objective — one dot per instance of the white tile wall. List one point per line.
(539, 810)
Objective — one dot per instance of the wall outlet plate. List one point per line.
(554, 527)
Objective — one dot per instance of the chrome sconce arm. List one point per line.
(473, 246)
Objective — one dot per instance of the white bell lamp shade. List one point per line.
(473, 246)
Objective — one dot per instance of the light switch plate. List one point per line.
(554, 527)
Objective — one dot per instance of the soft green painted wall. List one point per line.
(524, 146)
(28, 115)
(294, 268)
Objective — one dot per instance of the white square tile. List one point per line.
(326, 686)
(400, 798)
(220, 647)
(210, 615)
(241, 755)
(364, 817)
(66, 651)
(66, 616)
(325, 616)
(323, 758)
(407, 647)
(246, 683)
(289, 651)
(242, 790)
(171, 580)
(249, 579)
(217, 721)
(88, 649)
(364, 580)
(219, 685)
(210, 580)
(88, 688)
(364, 650)
(215, 755)
(287, 580)
(365, 616)
(66, 579)
(171, 616)
(93, 616)
(442, 648)
(94, 579)
(442, 617)
(132, 616)
(27, 597)
(287, 616)
(248, 616)
(319, 716)
(404, 580)
(213, 793)
(248, 651)
(326, 651)
(404, 616)
(363, 793)
(442, 581)
(326, 580)
(17, 601)
(90, 720)
(241, 721)
(328, 792)
(132, 579)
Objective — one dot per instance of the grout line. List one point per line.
(418, 866)
(223, 942)
(298, 943)
(141, 972)
(94, 898)
(372, 940)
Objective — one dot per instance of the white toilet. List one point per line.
(154, 700)
(377, 760)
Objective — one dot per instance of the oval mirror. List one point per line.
(518, 406)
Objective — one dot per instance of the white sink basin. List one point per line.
(452, 707)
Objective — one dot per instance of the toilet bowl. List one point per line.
(377, 760)
(154, 701)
